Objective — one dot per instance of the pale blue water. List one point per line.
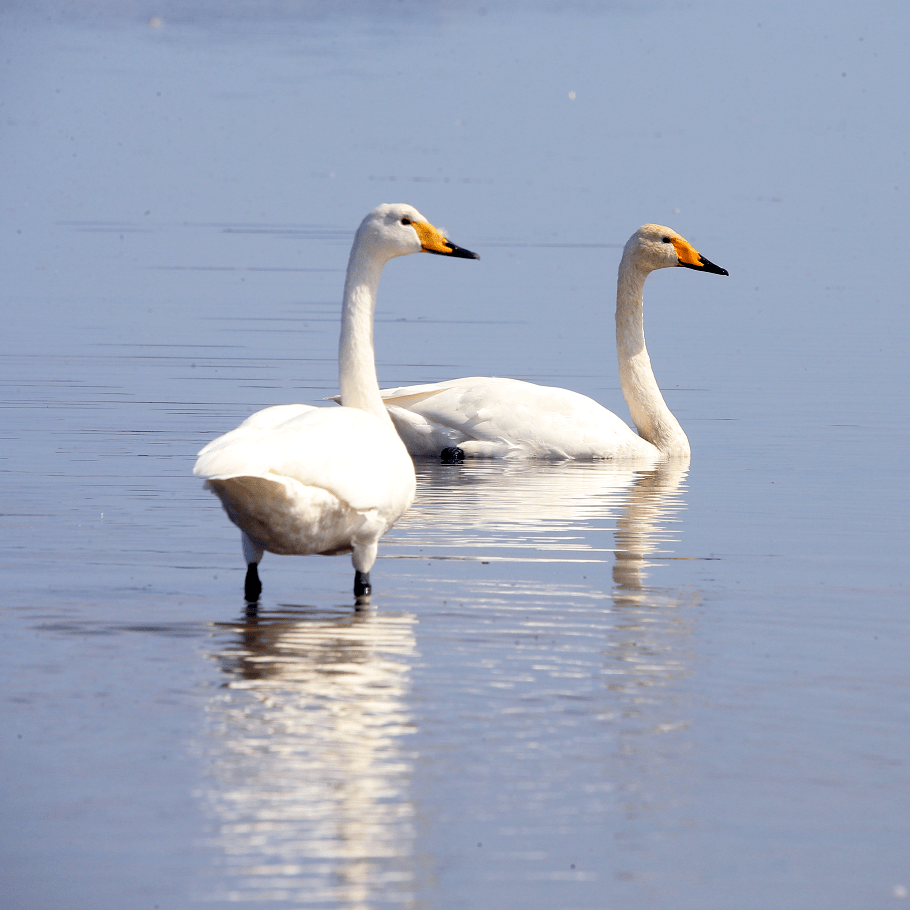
(581, 686)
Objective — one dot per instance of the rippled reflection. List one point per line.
(642, 528)
(578, 511)
(576, 543)
(311, 771)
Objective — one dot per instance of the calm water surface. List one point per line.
(580, 685)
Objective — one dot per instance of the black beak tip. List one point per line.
(460, 253)
(709, 266)
(705, 265)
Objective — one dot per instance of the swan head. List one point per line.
(397, 229)
(654, 246)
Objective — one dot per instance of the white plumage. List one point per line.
(301, 480)
(508, 418)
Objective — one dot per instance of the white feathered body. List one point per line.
(508, 418)
(300, 480)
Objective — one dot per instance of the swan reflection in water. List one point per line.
(311, 768)
(575, 511)
(548, 533)
(311, 788)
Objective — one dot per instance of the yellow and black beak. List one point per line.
(432, 241)
(690, 258)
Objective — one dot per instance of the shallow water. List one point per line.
(579, 685)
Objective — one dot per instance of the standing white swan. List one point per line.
(299, 480)
(500, 418)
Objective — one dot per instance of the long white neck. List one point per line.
(650, 413)
(356, 357)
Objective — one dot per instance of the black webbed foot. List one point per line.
(452, 455)
(252, 586)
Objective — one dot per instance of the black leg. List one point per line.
(362, 589)
(452, 455)
(252, 587)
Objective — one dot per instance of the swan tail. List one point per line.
(286, 517)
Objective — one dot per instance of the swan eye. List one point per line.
(665, 240)
(405, 220)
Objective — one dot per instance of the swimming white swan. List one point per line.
(297, 479)
(490, 417)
